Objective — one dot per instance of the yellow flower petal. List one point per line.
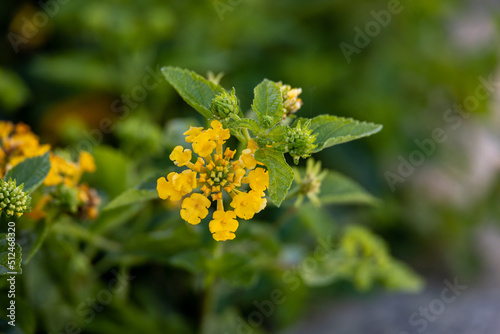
(258, 179)
(246, 205)
(204, 144)
(180, 156)
(252, 145)
(176, 185)
(86, 161)
(53, 178)
(223, 225)
(5, 129)
(195, 208)
(163, 187)
(192, 133)
(185, 182)
(220, 134)
(247, 159)
(62, 171)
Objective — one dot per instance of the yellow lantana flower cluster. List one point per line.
(68, 172)
(215, 172)
(17, 143)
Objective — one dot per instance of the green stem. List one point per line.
(210, 299)
(44, 226)
(246, 134)
(243, 135)
(238, 135)
(293, 193)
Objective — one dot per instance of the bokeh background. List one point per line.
(65, 66)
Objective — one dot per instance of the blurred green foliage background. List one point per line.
(66, 67)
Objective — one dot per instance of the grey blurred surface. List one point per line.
(474, 310)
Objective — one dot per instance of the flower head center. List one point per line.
(215, 171)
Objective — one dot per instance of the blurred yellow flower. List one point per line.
(68, 172)
(214, 172)
(17, 143)
(60, 171)
(87, 163)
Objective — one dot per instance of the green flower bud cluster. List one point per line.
(300, 141)
(13, 200)
(225, 105)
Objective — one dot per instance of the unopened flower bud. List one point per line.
(13, 200)
(291, 101)
(300, 141)
(224, 105)
(310, 183)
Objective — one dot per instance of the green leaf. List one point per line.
(131, 196)
(31, 172)
(246, 123)
(109, 220)
(278, 133)
(13, 91)
(333, 130)
(193, 260)
(363, 258)
(159, 245)
(193, 88)
(143, 192)
(268, 103)
(112, 170)
(330, 269)
(317, 220)
(90, 73)
(280, 173)
(339, 189)
(235, 268)
(5, 266)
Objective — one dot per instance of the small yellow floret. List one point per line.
(252, 145)
(247, 159)
(258, 179)
(176, 185)
(219, 133)
(223, 225)
(246, 205)
(180, 156)
(195, 208)
(192, 133)
(86, 161)
(204, 144)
